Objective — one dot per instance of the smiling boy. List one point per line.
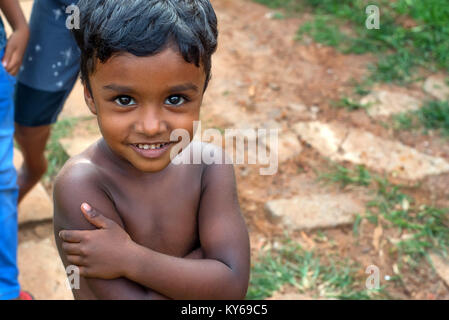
(153, 230)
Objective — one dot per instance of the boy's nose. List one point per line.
(150, 123)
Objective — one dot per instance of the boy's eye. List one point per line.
(125, 101)
(175, 100)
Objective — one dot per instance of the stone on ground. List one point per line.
(339, 143)
(386, 103)
(312, 211)
(288, 145)
(42, 272)
(37, 205)
(75, 145)
(436, 86)
(441, 267)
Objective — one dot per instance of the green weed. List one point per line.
(309, 273)
(351, 105)
(434, 115)
(403, 121)
(55, 153)
(401, 49)
(359, 176)
(424, 227)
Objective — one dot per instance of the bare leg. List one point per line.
(32, 142)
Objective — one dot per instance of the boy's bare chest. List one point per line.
(161, 215)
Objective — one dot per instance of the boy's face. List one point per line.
(139, 101)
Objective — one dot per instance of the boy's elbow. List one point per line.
(242, 290)
(236, 283)
(237, 289)
(235, 292)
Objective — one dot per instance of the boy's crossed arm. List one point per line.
(222, 274)
(67, 215)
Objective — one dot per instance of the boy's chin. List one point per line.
(155, 166)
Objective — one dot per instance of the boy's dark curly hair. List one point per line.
(144, 28)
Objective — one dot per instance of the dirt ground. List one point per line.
(262, 77)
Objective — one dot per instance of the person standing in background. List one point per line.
(11, 52)
(49, 72)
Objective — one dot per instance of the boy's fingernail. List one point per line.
(87, 207)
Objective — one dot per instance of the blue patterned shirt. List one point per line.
(2, 35)
(52, 59)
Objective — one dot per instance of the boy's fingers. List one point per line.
(13, 65)
(6, 58)
(9, 55)
(94, 217)
(84, 272)
(71, 235)
(75, 260)
(71, 248)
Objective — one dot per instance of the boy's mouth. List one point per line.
(154, 150)
(154, 146)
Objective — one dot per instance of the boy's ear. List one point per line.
(89, 99)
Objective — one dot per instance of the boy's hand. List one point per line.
(97, 253)
(15, 49)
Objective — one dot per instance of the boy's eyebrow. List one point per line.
(115, 87)
(183, 87)
(178, 88)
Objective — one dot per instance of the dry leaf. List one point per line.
(252, 91)
(309, 241)
(376, 236)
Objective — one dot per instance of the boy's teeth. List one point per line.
(150, 146)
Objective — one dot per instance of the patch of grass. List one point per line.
(350, 104)
(308, 272)
(356, 225)
(402, 49)
(290, 6)
(434, 115)
(403, 121)
(359, 176)
(423, 227)
(396, 68)
(55, 153)
(426, 227)
(278, 15)
(274, 4)
(322, 31)
(320, 236)
(362, 88)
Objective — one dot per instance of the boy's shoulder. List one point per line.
(81, 180)
(80, 168)
(216, 163)
(204, 153)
